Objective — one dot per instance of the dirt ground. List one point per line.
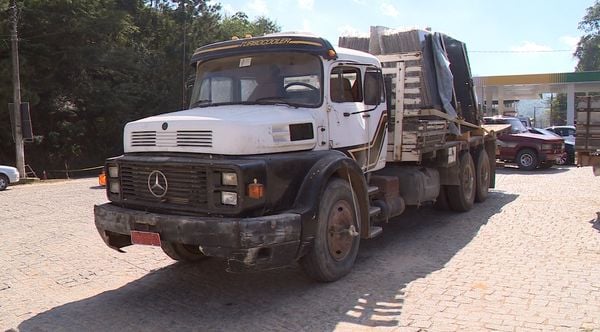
(527, 259)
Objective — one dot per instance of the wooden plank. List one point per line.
(409, 56)
(498, 128)
(399, 112)
(412, 79)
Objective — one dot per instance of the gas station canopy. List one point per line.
(519, 87)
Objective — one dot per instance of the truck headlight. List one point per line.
(228, 198)
(115, 187)
(229, 179)
(546, 146)
(113, 171)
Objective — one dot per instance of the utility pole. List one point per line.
(20, 150)
(184, 57)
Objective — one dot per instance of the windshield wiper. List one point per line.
(200, 102)
(272, 99)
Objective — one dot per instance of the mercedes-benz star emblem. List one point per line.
(157, 184)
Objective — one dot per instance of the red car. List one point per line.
(528, 150)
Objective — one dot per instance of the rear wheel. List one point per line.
(527, 160)
(483, 176)
(462, 197)
(563, 159)
(336, 239)
(182, 252)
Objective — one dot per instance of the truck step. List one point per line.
(373, 190)
(373, 211)
(375, 231)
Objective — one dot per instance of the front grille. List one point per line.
(187, 186)
(143, 138)
(179, 138)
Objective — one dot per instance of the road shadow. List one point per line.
(556, 169)
(203, 297)
(596, 222)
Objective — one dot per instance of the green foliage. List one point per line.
(558, 111)
(239, 25)
(588, 48)
(90, 66)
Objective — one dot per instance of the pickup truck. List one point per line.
(528, 150)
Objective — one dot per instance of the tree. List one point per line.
(558, 114)
(588, 47)
(90, 66)
(239, 25)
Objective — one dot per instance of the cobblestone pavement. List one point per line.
(527, 259)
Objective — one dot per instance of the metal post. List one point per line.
(551, 102)
(20, 150)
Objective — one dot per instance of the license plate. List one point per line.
(145, 238)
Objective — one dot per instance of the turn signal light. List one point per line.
(256, 190)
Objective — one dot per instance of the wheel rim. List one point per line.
(339, 239)
(468, 182)
(562, 160)
(526, 160)
(2, 183)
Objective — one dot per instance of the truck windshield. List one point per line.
(264, 78)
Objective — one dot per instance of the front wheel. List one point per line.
(3, 182)
(527, 160)
(336, 239)
(182, 252)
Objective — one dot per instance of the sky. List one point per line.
(508, 37)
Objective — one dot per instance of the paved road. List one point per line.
(528, 259)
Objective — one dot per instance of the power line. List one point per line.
(523, 52)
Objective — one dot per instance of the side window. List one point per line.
(374, 88)
(345, 85)
(570, 132)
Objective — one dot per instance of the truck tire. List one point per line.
(182, 252)
(527, 160)
(462, 197)
(336, 240)
(3, 182)
(482, 176)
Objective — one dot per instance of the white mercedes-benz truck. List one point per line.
(291, 151)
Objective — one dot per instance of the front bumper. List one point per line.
(246, 243)
(549, 156)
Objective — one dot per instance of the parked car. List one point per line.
(566, 132)
(526, 121)
(568, 156)
(8, 175)
(528, 150)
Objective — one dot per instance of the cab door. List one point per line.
(347, 125)
(357, 114)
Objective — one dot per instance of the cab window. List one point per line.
(345, 85)
(374, 88)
